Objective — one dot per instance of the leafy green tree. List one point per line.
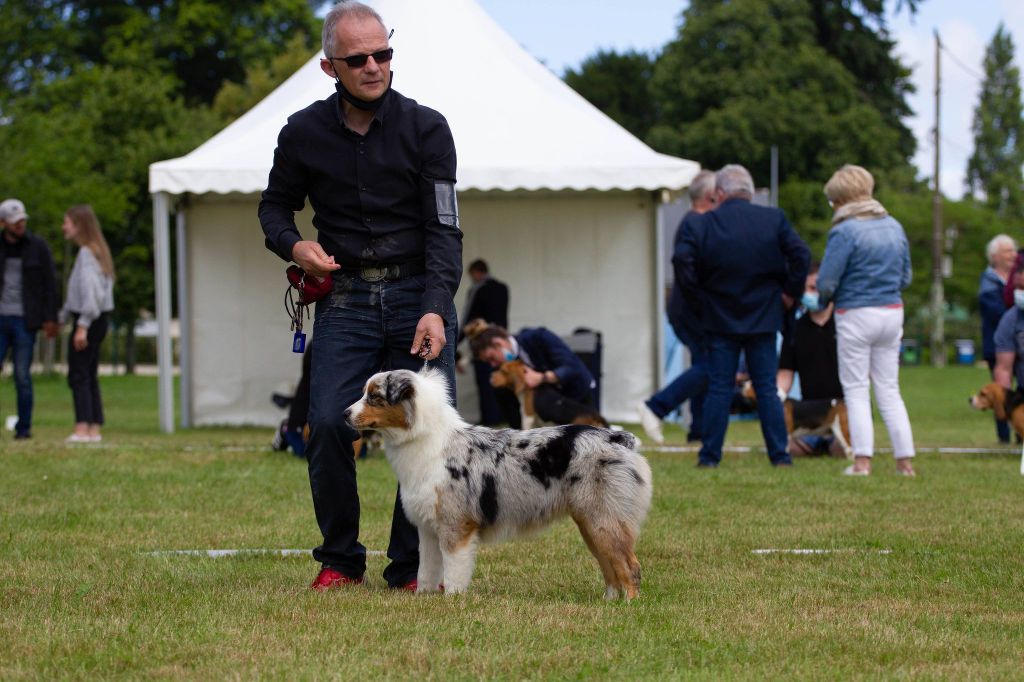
(199, 43)
(745, 75)
(234, 99)
(856, 34)
(618, 85)
(995, 166)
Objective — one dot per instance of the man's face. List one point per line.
(494, 354)
(1004, 257)
(477, 276)
(17, 229)
(353, 36)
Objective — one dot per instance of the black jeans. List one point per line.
(361, 328)
(83, 369)
(1002, 427)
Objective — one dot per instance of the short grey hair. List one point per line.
(703, 184)
(996, 242)
(735, 180)
(347, 8)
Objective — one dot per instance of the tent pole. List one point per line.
(162, 258)
(184, 322)
(658, 198)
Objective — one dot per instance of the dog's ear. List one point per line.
(400, 387)
(996, 396)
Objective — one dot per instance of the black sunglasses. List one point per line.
(356, 61)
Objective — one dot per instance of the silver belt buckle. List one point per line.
(373, 274)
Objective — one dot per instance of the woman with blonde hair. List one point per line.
(866, 266)
(89, 300)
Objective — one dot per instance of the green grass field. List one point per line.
(80, 597)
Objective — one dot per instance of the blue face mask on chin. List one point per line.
(509, 355)
(810, 301)
(1018, 298)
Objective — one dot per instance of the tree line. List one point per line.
(820, 80)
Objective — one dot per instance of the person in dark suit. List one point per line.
(692, 384)
(740, 267)
(560, 381)
(487, 300)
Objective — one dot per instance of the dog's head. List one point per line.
(509, 375)
(393, 402)
(990, 397)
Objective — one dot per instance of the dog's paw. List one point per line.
(422, 588)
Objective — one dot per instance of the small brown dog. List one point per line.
(1008, 405)
(511, 375)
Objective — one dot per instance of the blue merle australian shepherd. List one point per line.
(462, 484)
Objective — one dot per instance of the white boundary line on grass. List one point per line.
(744, 448)
(820, 551)
(219, 553)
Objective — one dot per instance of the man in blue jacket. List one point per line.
(740, 268)
(1002, 254)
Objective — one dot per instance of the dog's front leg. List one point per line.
(458, 554)
(428, 578)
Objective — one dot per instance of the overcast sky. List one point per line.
(561, 33)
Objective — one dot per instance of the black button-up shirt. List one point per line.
(375, 197)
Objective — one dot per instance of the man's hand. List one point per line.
(80, 340)
(787, 301)
(532, 377)
(312, 258)
(51, 329)
(430, 325)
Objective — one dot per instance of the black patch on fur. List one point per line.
(574, 479)
(523, 444)
(605, 462)
(454, 472)
(636, 476)
(552, 459)
(489, 500)
(618, 438)
(398, 387)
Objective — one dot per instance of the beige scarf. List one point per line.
(865, 209)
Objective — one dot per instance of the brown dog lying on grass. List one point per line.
(511, 375)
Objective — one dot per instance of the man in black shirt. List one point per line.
(810, 351)
(379, 172)
(487, 300)
(28, 302)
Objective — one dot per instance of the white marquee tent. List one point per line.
(560, 200)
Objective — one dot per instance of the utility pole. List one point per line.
(938, 341)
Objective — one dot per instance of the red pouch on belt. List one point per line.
(311, 289)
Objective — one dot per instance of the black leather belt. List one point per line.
(384, 272)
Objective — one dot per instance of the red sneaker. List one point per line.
(329, 578)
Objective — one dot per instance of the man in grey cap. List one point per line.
(28, 301)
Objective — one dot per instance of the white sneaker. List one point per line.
(651, 423)
(75, 438)
(850, 471)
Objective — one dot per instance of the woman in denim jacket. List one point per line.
(866, 266)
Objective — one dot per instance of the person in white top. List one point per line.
(89, 301)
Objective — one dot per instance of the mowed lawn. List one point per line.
(926, 580)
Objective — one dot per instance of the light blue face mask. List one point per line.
(810, 301)
(510, 356)
(1018, 298)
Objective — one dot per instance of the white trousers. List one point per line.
(868, 341)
